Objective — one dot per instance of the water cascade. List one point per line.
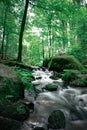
(46, 102)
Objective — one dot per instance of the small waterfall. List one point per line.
(62, 99)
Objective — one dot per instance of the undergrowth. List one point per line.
(25, 75)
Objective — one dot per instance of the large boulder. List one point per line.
(17, 111)
(12, 112)
(10, 85)
(59, 63)
(56, 120)
(9, 124)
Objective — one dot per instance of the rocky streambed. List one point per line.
(50, 99)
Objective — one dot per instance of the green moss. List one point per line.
(24, 74)
(84, 71)
(10, 89)
(85, 66)
(59, 63)
(17, 111)
(51, 87)
(80, 82)
(26, 77)
(56, 120)
(75, 78)
(69, 76)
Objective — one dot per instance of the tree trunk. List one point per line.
(4, 30)
(42, 48)
(50, 39)
(19, 59)
(2, 47)
(6, 46)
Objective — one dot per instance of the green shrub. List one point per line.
(79, 53)
(26, 77)
(75, 78)
(84, 71)
(85, 66)
(80, 82)
(69, 76)
(24, 74)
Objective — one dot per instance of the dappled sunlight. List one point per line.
(43, 64)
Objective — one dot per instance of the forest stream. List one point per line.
(62, 99)
(35, 35)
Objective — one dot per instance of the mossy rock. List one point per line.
(69, 76)
(38, 128)
(75, 78)
(80, 82)
(59, 63)
(9, 124)
(56, 120)
(51, 87)
(17, 111)
(11, 87)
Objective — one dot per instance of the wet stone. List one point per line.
(56, 120)
(38, 128)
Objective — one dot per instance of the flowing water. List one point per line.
(65, 100)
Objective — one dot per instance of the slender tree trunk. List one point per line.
(6, 46)
(50, 39)
(2, 47)
(64, 35)
(42, 48)
(19, 58)
(4, 30)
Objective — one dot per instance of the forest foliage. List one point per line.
(31, 31)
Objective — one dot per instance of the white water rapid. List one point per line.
(70, 101)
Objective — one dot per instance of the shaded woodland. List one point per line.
(32, 30)
(43, 55)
